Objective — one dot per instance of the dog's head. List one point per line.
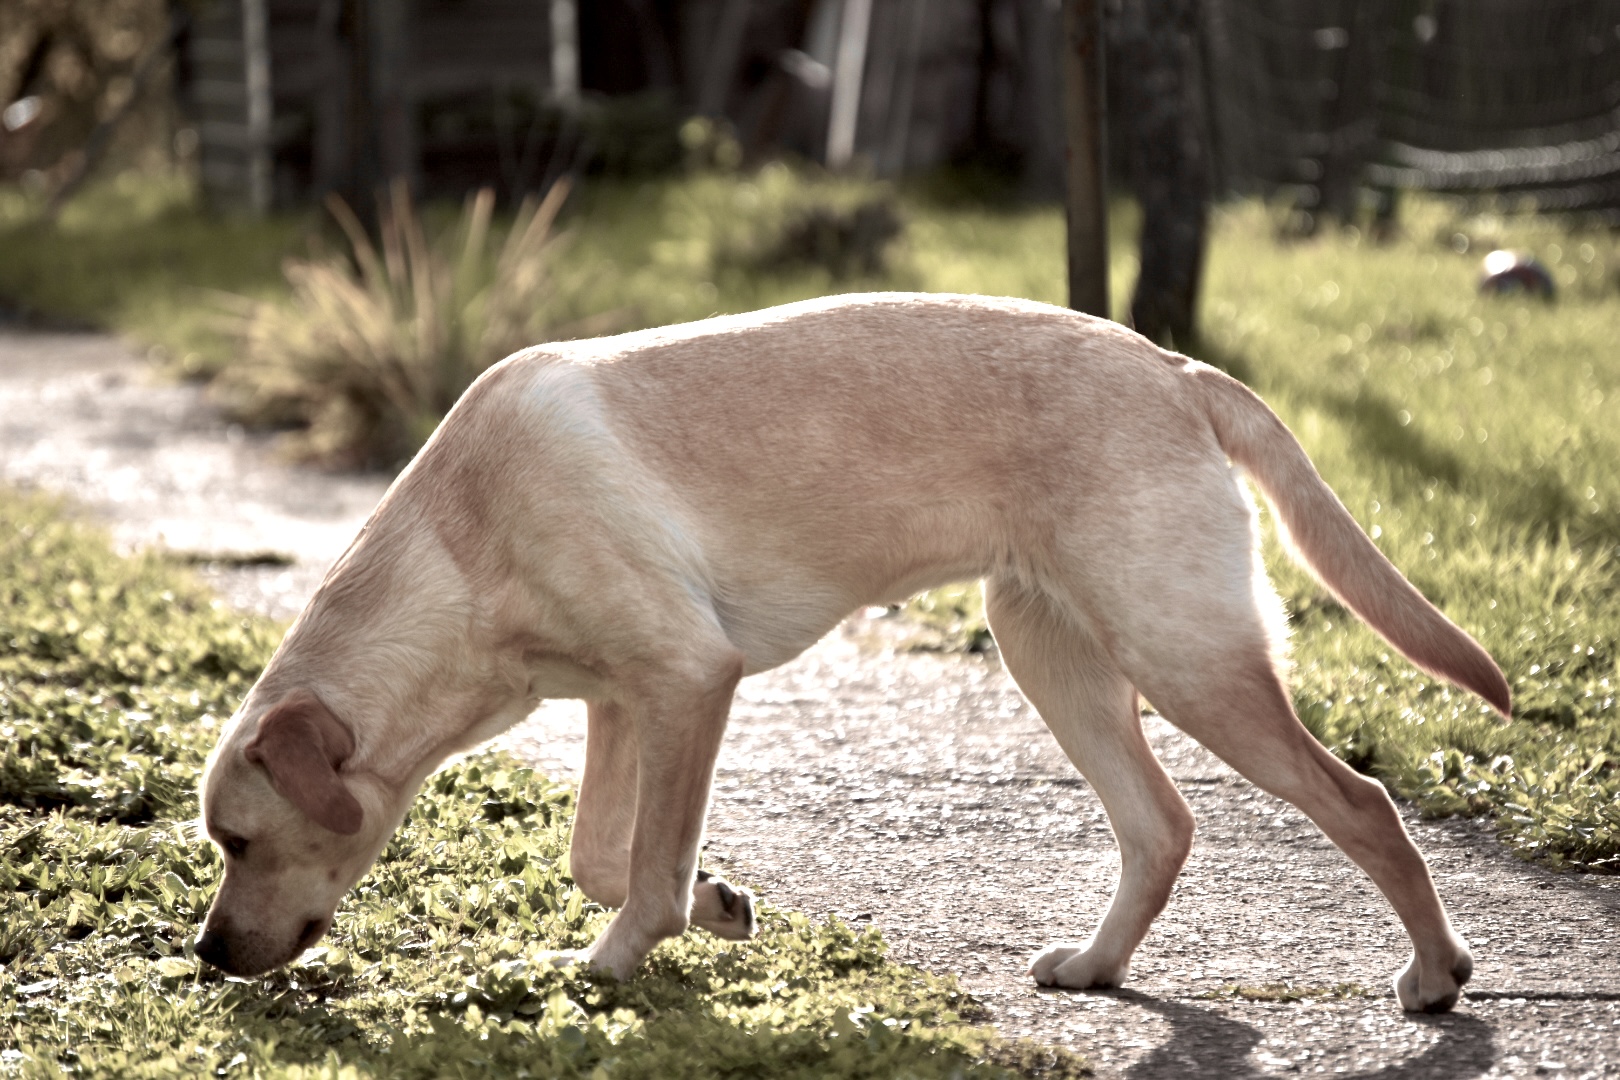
(409, 652)
(296, 832)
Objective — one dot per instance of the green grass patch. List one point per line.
(115, 678)
(140, 256)
(137, 255)
(947, 619)
(687, 248)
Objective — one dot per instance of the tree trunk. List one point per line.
(1352, 117)
(392, 111)
(1155, 53)
(1086, 198)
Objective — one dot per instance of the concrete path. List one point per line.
(82, 414)
(919, 793)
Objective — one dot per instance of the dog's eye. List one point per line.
(234, 846)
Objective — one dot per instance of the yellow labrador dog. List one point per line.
(640, 521)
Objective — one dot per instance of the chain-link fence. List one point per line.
(1512, 97)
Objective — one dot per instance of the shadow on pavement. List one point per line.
(1204, 1042)
(1201, 1041)
(1466, 1048)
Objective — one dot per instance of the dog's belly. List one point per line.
(769, 644)
(774, 610)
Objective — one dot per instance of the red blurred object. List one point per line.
(1509, 272)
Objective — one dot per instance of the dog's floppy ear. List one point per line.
(301, 744)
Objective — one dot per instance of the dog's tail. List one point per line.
(1323, 536)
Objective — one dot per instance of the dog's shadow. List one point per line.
(1203, 1042)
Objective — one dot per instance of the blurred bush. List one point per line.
(372, 350)
(782, 220)
(632, 134)
(847, 243)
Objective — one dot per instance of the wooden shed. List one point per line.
(295, 98)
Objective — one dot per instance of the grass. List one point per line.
(115, 676)
(136, 255)
(676, 250)
(1475, 437)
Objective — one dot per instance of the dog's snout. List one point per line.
(212, 949)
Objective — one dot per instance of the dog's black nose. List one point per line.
(211, 948)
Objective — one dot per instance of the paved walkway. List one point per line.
(919, 793)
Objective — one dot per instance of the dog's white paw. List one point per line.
(723, 909)
(597, 959)
(1434, 988)
(1077, 966)
(562, 958)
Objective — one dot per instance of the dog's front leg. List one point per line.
(677, 736)
(599, 855)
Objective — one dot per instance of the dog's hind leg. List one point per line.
(1195, 631)
(1233, 701)
(1091, 708)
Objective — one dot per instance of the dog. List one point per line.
(642, 520)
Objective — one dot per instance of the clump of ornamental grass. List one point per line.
(373, 348)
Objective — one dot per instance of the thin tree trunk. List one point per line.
(1086, 198)
(391, 28)
(565, 54)
(724, 59)
(1155, 45)
(1352, 118)
(260, 103)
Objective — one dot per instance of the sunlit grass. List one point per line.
(140, 256)
(135, 255)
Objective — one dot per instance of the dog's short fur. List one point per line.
(640, 521)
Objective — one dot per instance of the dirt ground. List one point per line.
(919, 793)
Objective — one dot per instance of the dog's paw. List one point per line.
(562, 958)
(1077, 966)
(723, 909)
(1434, 988)
(596, 960)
